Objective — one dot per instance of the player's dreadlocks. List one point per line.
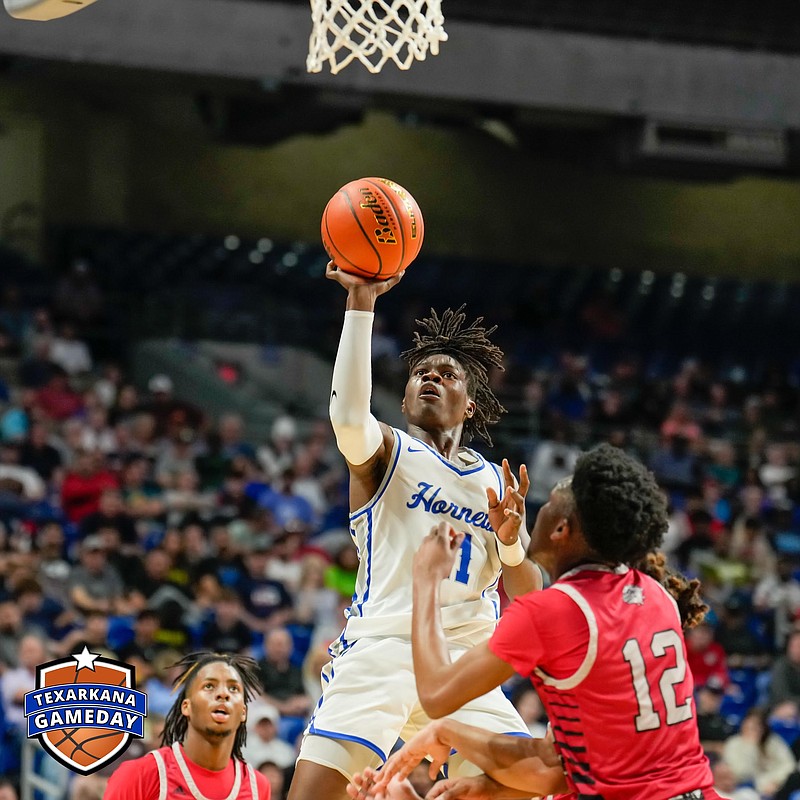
(471, 347)
(176, 725)
(686, 592)
(623, 516)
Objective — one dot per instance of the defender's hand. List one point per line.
(436, 555)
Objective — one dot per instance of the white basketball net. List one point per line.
(374, 32)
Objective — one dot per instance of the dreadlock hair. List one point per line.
(176, 725)
(685, 592)
(622, 512)
(471, 347)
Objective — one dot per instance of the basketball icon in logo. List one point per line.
(85, 710)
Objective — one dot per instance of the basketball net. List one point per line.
(374, 32)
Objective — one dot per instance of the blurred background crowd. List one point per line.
(140, 524)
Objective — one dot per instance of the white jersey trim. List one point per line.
(162, 775)
(591, 651)
(251, 773)
(187, 776)
(395, 457)
(672, 600)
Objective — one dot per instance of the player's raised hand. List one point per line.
(507, 513)
(361, 292)
(364, 786)
(427, 743)
(436, 555)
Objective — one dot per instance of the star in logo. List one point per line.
(85, 659)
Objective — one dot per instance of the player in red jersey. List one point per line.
(603, 645)
(204, 732)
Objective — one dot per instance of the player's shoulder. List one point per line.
(136, 779)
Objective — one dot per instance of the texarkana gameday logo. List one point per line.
(85, 710)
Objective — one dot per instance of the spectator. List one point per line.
(92, 634)
(726, 785)
(279, 453)
(286, 506)
(758, 756)
(11, 633)
(21, 679)
(231, 436)
(57, 399)
(97, 433)
(110, 514)
(227, 632)
(143, 645)
(680, 423)
(267, 604)
(70, 353)
(38, 454)
(40, 611)
(184, 499)
(779, 594)
(705, 656)
(743, 649)
(178, 455)
(169, 413)
(785, 674)
(276, 777)
(142, 496)
(36, 369)
(714, 728)
(341, 575)
(263, 743)
(84, 483)
(282, 680)
(553, 460)
(54, 569)
(19, 479)
(674, 465)
(94, 585)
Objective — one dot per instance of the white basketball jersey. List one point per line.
(421, 489)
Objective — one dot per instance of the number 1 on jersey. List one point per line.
(464, 555)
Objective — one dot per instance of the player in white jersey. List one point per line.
(401, 483)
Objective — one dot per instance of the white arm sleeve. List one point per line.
(358, 433)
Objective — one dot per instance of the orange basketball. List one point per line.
(372, 227)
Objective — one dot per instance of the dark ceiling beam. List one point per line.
(481, 62)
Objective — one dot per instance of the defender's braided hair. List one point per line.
(471, 347)
(176, 725)
(686, 592)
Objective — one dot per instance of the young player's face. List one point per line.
(550, 516)
(215, 702)
(437, 395)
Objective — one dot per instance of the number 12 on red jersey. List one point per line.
(648, 719)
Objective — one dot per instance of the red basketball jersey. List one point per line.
(605, 650)
(166, 774)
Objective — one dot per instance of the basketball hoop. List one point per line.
(374, 32)
(44, 10)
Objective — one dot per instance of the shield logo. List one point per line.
(85, 710)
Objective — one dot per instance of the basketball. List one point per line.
(372, 227)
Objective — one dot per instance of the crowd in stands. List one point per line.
(134, 523)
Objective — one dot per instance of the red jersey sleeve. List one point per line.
(542, 629)
(134, 780)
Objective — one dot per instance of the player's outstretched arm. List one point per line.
(530, 765)
(443, 686)
(507, 518)
(362, 440)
